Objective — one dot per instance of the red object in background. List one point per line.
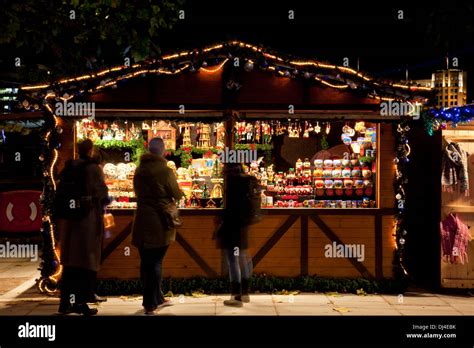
(20, 211)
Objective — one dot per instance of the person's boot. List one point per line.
(245, 291)
(235, 297)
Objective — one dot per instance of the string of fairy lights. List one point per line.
(207, 60)
(339, 77)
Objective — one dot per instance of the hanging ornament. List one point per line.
(41, 158)
(328, 128)
(204, 64)
(317, 128)
(248, 66)
(287, 73)
(360, 127)
(307, 75)
(402, 241)
(59, 129)
(347, 140)
(347, 130)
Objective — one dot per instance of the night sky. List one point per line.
(365, 31)
(330, 31)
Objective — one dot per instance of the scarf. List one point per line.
(454, 169)
(454, 239)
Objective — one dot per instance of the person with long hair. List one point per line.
(81, 236)
(232, 234)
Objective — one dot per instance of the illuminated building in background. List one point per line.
(450, 87)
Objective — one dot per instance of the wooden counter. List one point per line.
(287, 242)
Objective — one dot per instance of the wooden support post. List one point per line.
(304, 246)
(378, 247)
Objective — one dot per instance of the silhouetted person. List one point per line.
(155, 186)
(232, 235)
(80, 222)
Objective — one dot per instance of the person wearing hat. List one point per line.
(155, 186)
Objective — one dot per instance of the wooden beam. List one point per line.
(114, 243)
(195, 256)
(378, 247)
(270, 243)
(334, 238)
(304, 246)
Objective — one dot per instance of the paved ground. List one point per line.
(26, 301)
(18, 296)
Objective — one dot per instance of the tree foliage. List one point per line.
(69, 37)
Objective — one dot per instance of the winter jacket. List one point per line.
(155, 185)
(81, 240)
(233, 231)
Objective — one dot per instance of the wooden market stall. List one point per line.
(290, 240)
(459, 273)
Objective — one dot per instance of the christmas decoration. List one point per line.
(401, 160)
(329, 75)
(435, 119)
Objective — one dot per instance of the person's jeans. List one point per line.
(240, 264)
(151, 275)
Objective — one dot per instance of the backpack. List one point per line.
(71, 201)
(252, 200)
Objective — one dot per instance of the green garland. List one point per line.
(258, 283)
(137, 146)
(258, 147)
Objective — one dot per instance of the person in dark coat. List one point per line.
(155, 186)
(232, 234)
(81, 239)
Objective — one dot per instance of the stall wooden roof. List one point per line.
(206, 81)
